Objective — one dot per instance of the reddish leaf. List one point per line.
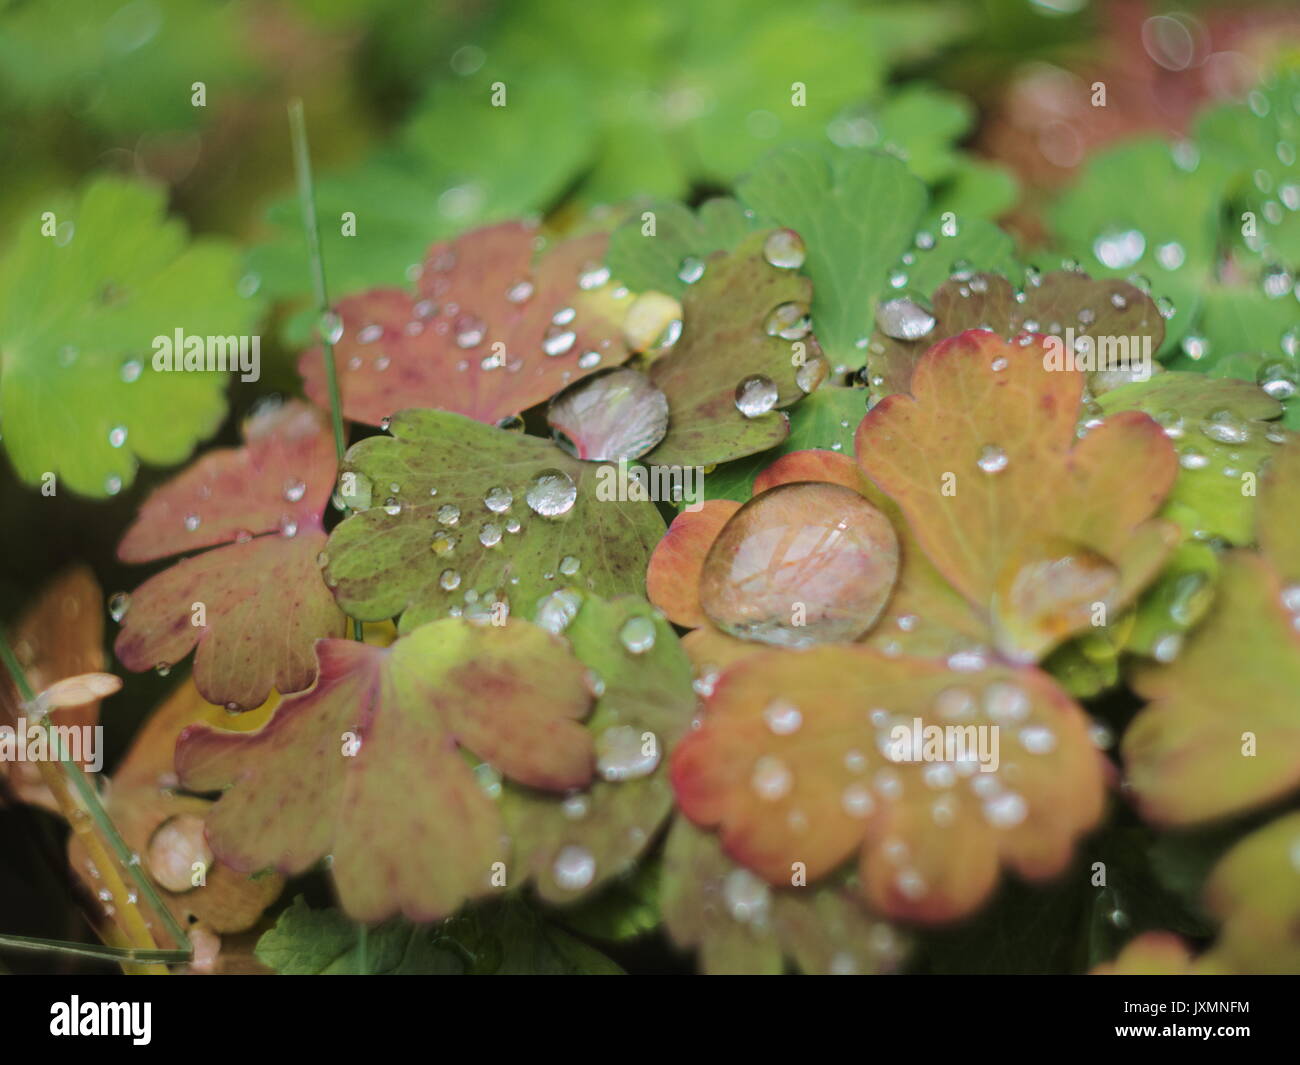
(262, 596)
(1051, 304)
(1032, 526)
(166, 829)
(367, 766)
(797, 765)
(489, 334)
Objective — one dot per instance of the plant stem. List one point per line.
(307, 198)
(90, 821)
(316, 262)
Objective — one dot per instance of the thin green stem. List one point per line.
(307, 198)
(105, 833)
(316, 261)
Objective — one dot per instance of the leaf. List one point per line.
(165, 828)
(1223, 438)
(59, 636)
(1221, 730)
(655, 261)
(728, 339)
(741, 926)
(1252, 892)
(458, 162)
(1153, 954)
(572, 846)
(858, 213)
(1034, 528)
(407, 823)
(826, 420)
(1048, 304)
(260, 594)
(422, 554)
(80, 396)
(1168, 240)
(794, 764)
(498, 940)
(489, 334)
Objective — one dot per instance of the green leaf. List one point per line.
(645, 260)
(79, 312)
(572, 844)
(857, 212)
(1221, 430)
(505, 938)
(1170, 239)
(434, 545)
(825, 421)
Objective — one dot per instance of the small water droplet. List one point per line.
(574, 868)
(756, 395)
(330, 327)
(992, 459)
(637, 634)
(118, 604)
(691, 270)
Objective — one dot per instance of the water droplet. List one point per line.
(117, 436)
(789, 321)
(624, 753)
(490, 534)
(288, 526)
(558, 341)
(443, 542)
(557, 610)
(118, 604)
(756, 395)
(131, 370)
(771, 779)
(470, 331)
(294, 490)
(569, 565)
(784, 249)
(798, 564)
(783, 718)
(856, 800)
(1119, 249)
(369, 334)
(811, 374)
(614, 415)
(520, 292)
(637, 634)
(1277, 282)
(691, 270)
(593, 276)
(747, 897)
(1225, 427)
(448, 514)
(1195, 347)
(192, 522)
(904, 319)
(330, 327)
(1006, 810)
(1171, 256)
(392, 506)
(1279, 379)
(574, 868)
(992, 459)
(551, 494)
(112, 484)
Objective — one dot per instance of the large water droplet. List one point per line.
(691, 270)
(331, 327)
(799, 564)
(1226, 427)
(904, 319)
(992, 459)
(609, 416)
(557, 610)
(118, 604)
(789, 321)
